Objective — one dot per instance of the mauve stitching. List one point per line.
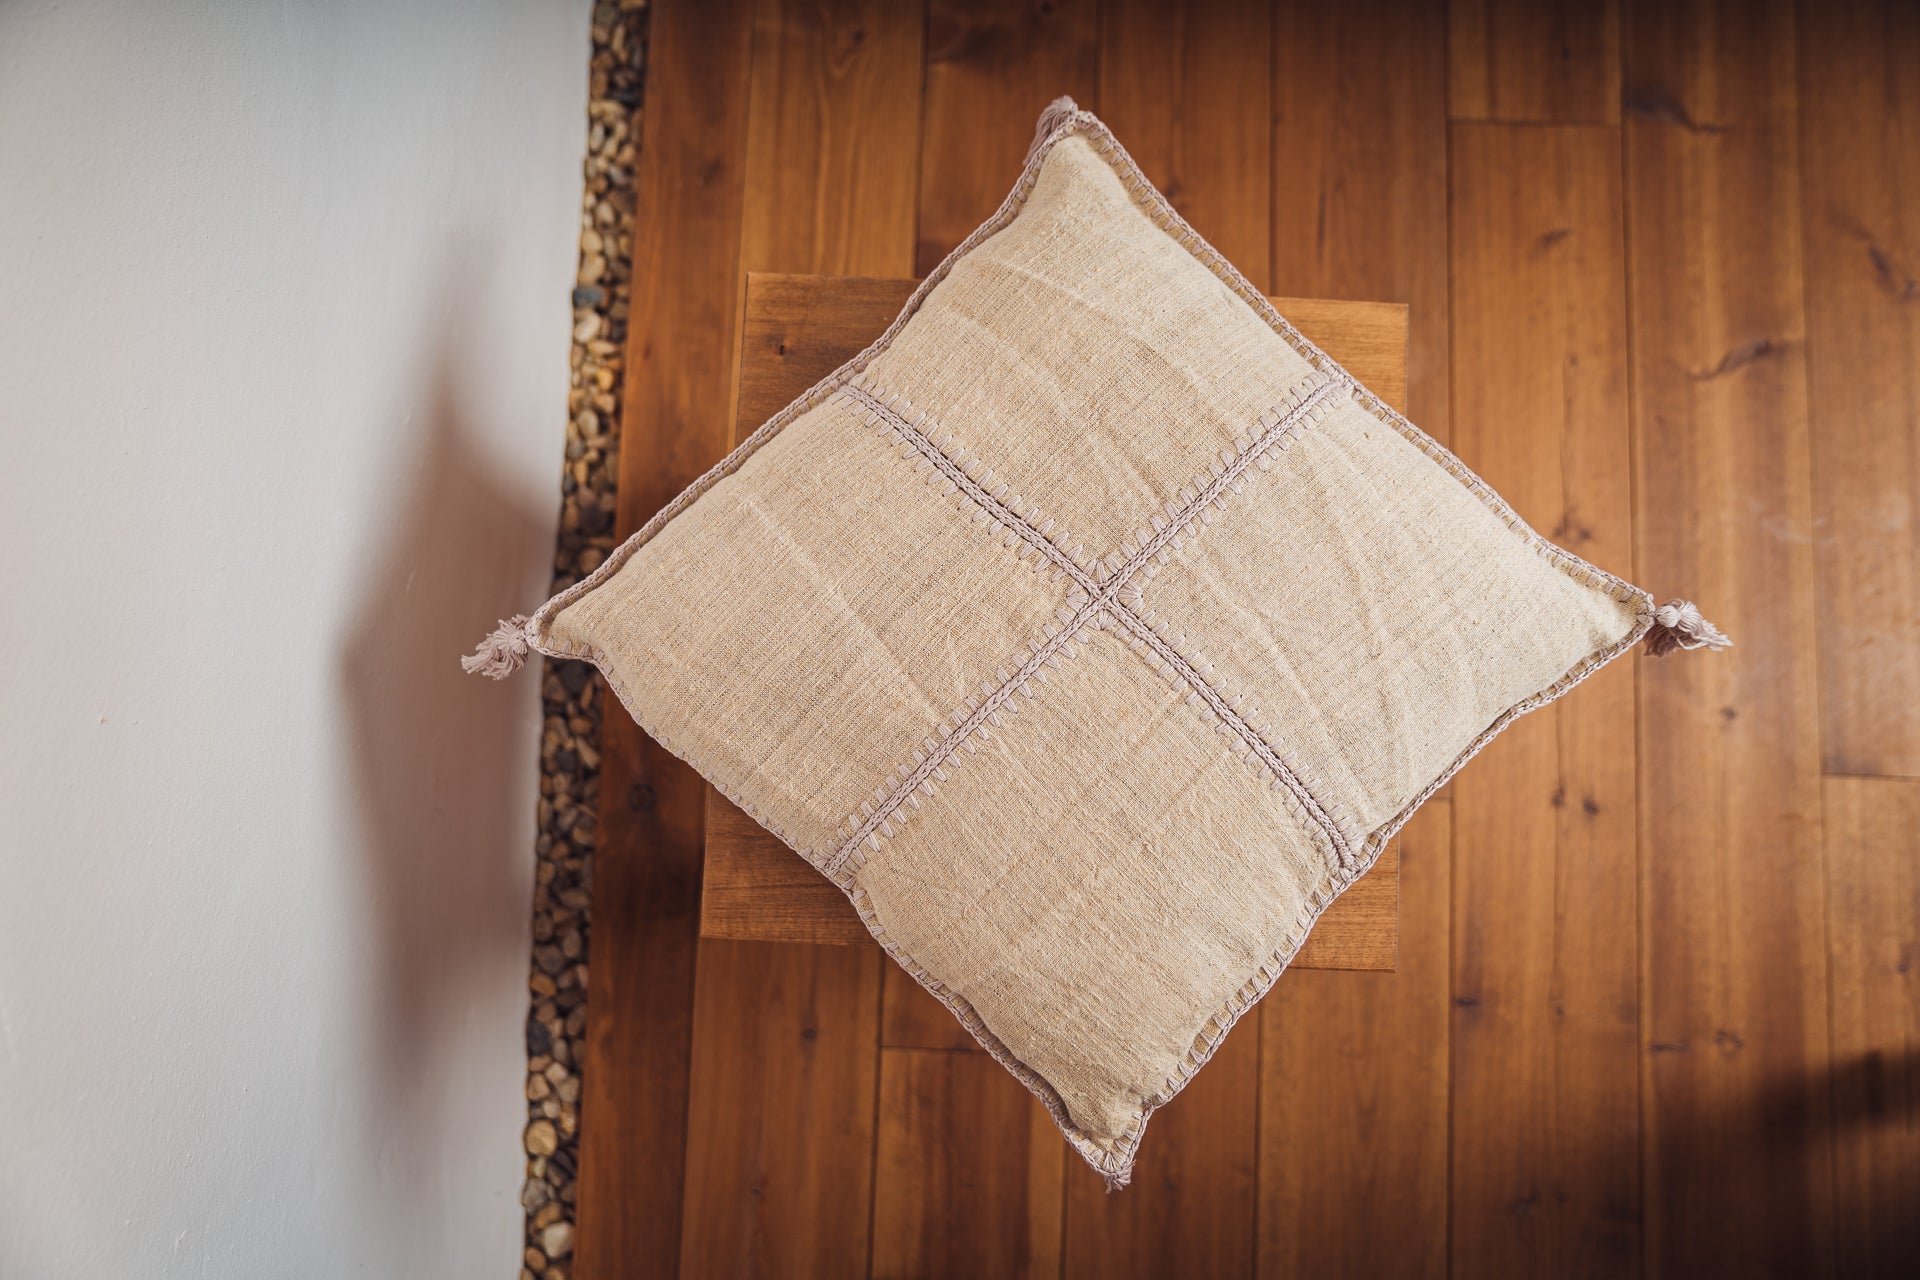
(957, 737)
(922, 441)
(1269, 755)
(1205, 672)
(1304, 402)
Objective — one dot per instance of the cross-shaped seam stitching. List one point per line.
(1102, 597)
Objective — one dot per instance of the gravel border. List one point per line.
(572, 697)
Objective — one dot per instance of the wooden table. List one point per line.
(796, 330)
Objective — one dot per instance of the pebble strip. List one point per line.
(572, 697)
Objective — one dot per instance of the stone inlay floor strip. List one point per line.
(572, 698)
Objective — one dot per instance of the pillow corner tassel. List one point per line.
(1057, 113)
(504, 651)
(1677, 624)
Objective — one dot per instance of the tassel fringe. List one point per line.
(1058, 112)
(1677, 624)
(503, 652)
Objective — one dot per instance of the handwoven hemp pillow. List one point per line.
(1093, 631)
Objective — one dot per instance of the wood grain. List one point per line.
(647, 867)
(1860, 193)
(1360, 170)
(782, 1120)
(800, 328)
(833, 137)
(910, 1018)
(992, 67)
(1353, 1097)
(1534, 61)
(1737, 1162)
(1191, 1207)
(1873, 913)
(1186, 86)
(969, 1165)
(1545, 1001)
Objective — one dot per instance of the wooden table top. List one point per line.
(796, 330)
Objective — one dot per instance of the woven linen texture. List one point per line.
(1092, 631)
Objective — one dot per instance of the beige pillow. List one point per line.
(1093, 631)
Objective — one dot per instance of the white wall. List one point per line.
(283, 366)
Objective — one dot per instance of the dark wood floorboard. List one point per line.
(1659, 998)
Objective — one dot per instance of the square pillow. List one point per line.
(1092, 630)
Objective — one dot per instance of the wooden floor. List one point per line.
(1656, 1009)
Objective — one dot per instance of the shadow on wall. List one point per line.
(441, 763)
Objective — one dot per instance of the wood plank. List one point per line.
(1191, 1207)
(1545, 1062)
(1184, 85)
(971, 1163)
(992, 67)
(758, 890)
(647, 867)
(1353, 1097)
(1360, 170)
(1534, 61)
(1737, 1160)
(910, 1018)
(1365, 932)
(782, 1120)
(1370, 339)
(1873, 912)
(800, 328)
(1860, 197)
(834, 137)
